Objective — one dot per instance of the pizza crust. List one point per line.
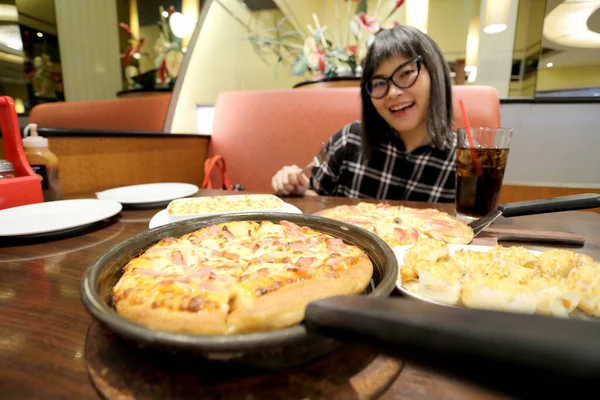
(285, 307)
(206, 322)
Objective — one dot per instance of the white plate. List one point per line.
(400, 251)
(162, 217)
(55, 216)
(148, 193)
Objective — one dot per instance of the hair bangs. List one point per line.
(389, 43)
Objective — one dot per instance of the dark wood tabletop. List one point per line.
(43, 324)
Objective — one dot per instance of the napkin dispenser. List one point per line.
(26, 188)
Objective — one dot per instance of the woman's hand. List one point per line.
(290, 180)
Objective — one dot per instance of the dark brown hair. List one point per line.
(409, 42)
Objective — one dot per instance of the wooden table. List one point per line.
(43, 323)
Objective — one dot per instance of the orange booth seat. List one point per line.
(258, 132)
(141, 114)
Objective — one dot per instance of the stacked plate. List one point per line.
(148, 195)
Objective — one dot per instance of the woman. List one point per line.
(403, 148)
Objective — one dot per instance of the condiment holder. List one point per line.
(25, 187)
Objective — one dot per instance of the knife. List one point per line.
(541, 206)
(533, 236)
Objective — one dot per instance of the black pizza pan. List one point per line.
(274, 349)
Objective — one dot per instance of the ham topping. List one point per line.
(304, 261)
(400, 234)
(225, 254)
(177, 258)
(227, 232)
(289, 225)
(335, 244)
(296, 245)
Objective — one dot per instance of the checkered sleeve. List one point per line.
(324, 179)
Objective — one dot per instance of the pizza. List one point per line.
(554, 282)
(223, 204)
(399, 225)
(238, 277)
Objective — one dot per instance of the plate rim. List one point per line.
(117, 209)
(215, 215)
(190, 185)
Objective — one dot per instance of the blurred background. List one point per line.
(70, 50)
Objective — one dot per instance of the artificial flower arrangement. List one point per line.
(131, 54)
(41, 72)
(168, 50)
(317, 53)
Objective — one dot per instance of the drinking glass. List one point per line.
(480, 165)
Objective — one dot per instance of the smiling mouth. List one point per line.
(402, 107)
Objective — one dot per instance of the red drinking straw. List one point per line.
(469, 136)
(466, 122)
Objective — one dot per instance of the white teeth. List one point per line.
(402, 107)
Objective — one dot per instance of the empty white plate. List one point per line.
(162, 217)
(55, 216)
(148, 193)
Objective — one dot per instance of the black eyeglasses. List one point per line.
(403, 77)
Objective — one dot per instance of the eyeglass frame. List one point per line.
(418, 60)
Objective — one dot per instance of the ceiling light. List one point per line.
(40, 34)
(567, 24)
(417, 13)
(495, 28)
(549, 65)
(496, 16)
(180, 25)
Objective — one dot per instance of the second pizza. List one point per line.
(399, 225)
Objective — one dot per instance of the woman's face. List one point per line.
(405, 110)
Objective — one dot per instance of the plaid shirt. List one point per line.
(425, 174)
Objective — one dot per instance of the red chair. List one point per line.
(481, 103)
(258, 132)
(140, 114)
